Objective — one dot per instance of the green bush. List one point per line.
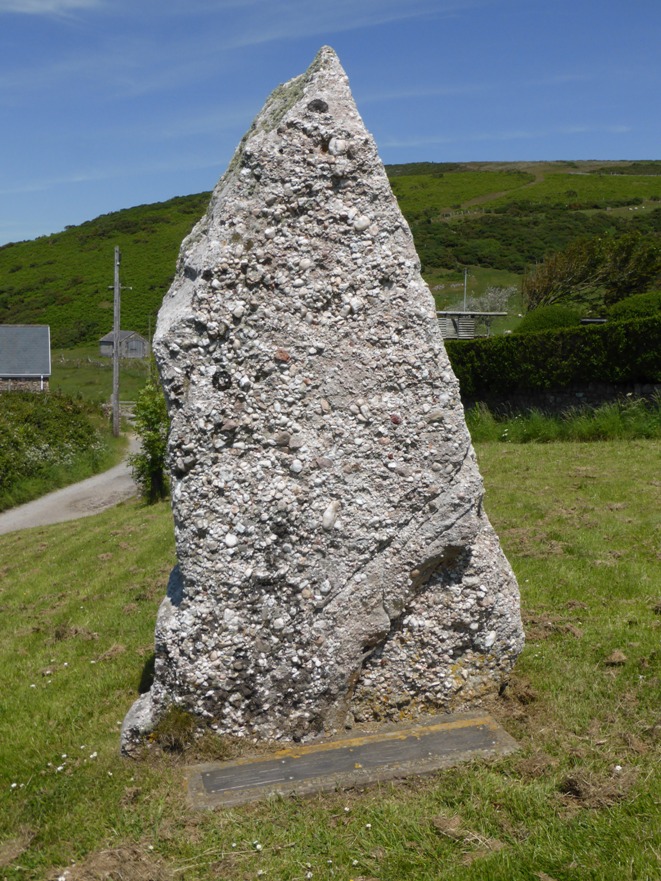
(548, 318)
(638, 306)
(616, 352)
(152, 425)
(41, 434)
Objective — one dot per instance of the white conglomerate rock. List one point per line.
(335, 561)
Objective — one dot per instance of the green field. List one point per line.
(82, 371)
(424, 192)
(583, 188)
(580, 801)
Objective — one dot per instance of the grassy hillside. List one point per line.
(496, 218)
(539, 208)
(580, 800)
(63, 279)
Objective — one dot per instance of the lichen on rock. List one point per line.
(335, 563)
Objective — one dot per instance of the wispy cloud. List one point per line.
(109, 173)
(295, 19)
(205, 123)
(426, 92)
(46, 7)
(459, 89)
(154, 58)
(504, 135)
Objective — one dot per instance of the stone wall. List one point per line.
(24, 385)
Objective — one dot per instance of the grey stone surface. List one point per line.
(336, 564)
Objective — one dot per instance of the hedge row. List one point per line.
(617, 352)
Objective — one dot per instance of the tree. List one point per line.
(152, 425)
(629, 265)
(595, 271)
(564, 276)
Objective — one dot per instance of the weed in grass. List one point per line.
(175, 731)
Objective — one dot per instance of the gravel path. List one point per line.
(78, 500)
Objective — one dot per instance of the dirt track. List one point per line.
(78, 500)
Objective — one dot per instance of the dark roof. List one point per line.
(123, 335)
(24, 350)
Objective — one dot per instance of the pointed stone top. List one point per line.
(322, 90)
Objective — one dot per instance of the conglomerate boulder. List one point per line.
(335, 561)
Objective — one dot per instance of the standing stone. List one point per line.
(335, 561)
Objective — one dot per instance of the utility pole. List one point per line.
(115, 346)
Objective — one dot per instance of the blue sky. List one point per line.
(105, 104)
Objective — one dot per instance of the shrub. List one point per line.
(638, 306)
(42, 433)
(151, 422)
(548, 318)
(607, 268)
(616, 352)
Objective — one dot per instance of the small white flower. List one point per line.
(14, 785)
(33, 686)
(257, 845)
(368, 825)
(346, 810)
(93, 755)
(354, 862)
(60, 768)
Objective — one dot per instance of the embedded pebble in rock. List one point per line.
(334, 559)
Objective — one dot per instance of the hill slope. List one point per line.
(498, 216)
(64, 279)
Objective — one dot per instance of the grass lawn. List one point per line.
(82, 371)
(581, 800)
